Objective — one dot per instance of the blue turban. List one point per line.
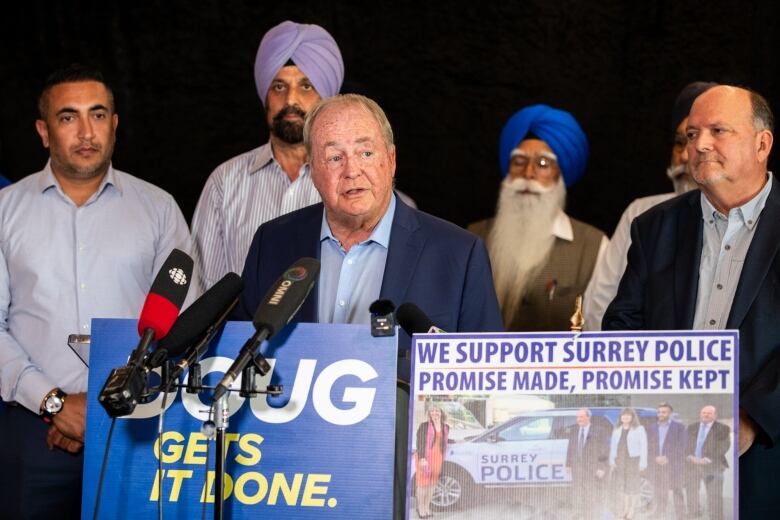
(310, 47)
(555, 127)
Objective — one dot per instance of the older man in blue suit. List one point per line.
(709, 260)
(371, 245)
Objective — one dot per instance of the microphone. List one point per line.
(277, 308)
(199, 322)
(382, 318)
(126, 385)
(414, 321)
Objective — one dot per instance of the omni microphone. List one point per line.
(414, 321)
(199, 322)
(277, 308)
(125, 386)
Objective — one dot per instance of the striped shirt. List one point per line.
(239, 196)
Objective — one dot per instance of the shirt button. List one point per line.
(341, 303)
(712, 322)
(82, 247)
(83, 286)
(349, 261)
(728, 247)
(719, 286)
(750, 222)
(84, 327)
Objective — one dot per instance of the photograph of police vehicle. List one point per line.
(528, 450)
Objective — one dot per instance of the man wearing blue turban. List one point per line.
(542, 258)
(296, 66)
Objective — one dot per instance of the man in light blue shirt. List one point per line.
(78, 240)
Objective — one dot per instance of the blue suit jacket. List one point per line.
(440, 267)
(658, 291)
(669, 476)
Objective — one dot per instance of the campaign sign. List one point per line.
(323, 449)
(565, 425)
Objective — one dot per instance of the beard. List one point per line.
(521, 239)
(72, 169)
(680, 178)
(290, 132)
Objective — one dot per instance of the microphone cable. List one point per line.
(103, 470)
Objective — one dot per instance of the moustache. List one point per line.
(288, 110)
(521, 185)
(707, 157)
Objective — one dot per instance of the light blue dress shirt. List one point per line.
(725, 243)
(62, 265)
(351, 281)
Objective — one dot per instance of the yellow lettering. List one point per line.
(247, 445)
(178, 476)
(173, 452)
(195, 446)
(262, 487)
(312, 488)
(210, 478)
(279, 483)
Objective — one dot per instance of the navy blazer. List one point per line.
(669, 476)
(658, 292)
(437, 265)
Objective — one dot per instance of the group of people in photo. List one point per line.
(81, 239)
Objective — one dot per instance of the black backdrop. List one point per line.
(448, 74)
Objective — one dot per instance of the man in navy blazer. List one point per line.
(705, 461)
(371, 245)
(709, 260)
(666, 442)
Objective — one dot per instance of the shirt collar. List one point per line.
(48, 180)
(380, 234)
(265, 155)
(747, 213)
(561, 227)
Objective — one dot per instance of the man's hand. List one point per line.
(661, 460)
(55, 438)
(747, 431)
(71, 421)
(600, 473)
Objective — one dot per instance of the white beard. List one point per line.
(682, 183)
(521, 239)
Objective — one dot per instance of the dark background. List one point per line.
(449, 74)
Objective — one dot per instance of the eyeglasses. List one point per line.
(544, 163)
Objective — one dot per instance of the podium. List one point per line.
(323, 449)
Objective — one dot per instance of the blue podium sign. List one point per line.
(323, 448)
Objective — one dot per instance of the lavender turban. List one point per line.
(555, 127)
(310, 47)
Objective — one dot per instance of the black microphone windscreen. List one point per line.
(286, 296)
(381, 307)
(198, 317)
(412, 319)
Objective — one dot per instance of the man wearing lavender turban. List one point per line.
(542, 258)
(296, 66)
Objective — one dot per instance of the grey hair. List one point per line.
(763, 119)
(348, 100)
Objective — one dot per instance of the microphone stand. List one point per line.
(221, 410)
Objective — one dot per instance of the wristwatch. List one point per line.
(52, 405)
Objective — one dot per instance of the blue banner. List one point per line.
(323, 449)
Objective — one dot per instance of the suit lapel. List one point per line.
(687, 260)
(406, 244)
(307, 243)
(761, 253)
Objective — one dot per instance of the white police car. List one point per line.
(526, 451)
